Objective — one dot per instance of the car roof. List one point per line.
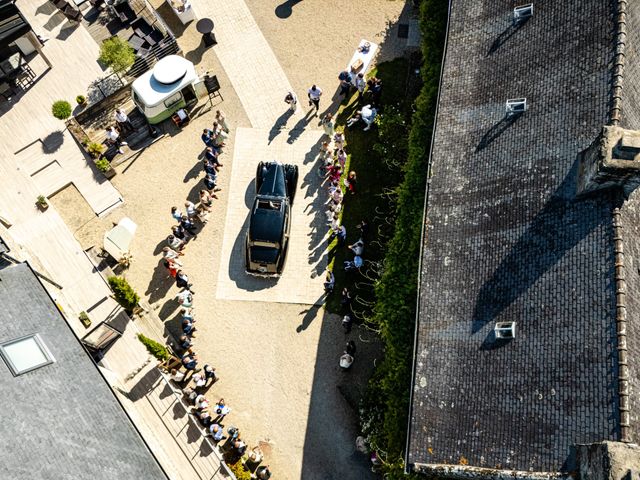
(267, 223)
(273, 182)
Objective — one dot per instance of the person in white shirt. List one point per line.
(292, 100)
(190, 209)
(314, 95)
(177, 376)
(113, 137)
(123, 122)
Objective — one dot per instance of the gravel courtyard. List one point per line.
(278, 361)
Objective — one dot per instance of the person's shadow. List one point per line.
(285, 9)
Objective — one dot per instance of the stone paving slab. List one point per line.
(249, 61)
(303, 277)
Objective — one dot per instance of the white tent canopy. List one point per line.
(118, 239)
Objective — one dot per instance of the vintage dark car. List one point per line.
(270, 222)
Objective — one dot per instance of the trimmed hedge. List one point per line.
(154, 348)
(125, 295)
(386, 405)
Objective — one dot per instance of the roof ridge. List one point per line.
(621, 327)
(620, 44)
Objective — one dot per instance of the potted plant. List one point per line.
(95, 149)
(61, 109)
(84, 318)
(81, 100)
(105, 167)
(42, 202)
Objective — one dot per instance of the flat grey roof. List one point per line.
(62, 420)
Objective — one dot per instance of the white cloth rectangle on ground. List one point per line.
(366, 57)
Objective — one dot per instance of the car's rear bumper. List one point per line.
(262, 275)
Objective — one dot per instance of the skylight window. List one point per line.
(25, 354)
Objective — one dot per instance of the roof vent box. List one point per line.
(515, 106)
(505, 330)
(523, 12)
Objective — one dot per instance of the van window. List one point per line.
(172, 100)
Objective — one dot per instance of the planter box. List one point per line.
(109, 173)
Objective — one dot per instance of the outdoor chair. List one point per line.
(5, 91)
(154, 37)
(72, 14)
(141, 27)
(125, 13)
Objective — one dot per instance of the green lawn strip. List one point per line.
(374, 177)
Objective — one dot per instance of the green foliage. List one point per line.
(378, 171)
(240, 472)
(81, 99)
(154, 348)
(385, 407)
(117, 54)
(61, 109)
(125, 295)
(42, 200)
(103, 165)
(84, 318)
(95, 149)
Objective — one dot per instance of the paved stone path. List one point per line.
(252, 67)
(302, 280)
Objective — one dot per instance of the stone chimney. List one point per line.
(612, 161)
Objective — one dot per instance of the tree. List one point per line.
(117, 54)
(124, 294)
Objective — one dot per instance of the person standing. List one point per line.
(328, 125)
(314, 95)
(360, 84)
(123, 122)
(351, 181)
(292, 100)
(113, 137)
(171, 254)
(182, 280)
(345, 83)
(222, 120)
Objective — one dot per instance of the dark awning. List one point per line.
(12, 23)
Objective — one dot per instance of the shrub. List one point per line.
(385, 407)
(61, 109)
(240, 472)
(154, 348)
(42, 200)
(125, 295)
(95, 149)
(81, 99)
(117, 54)
(103, 165)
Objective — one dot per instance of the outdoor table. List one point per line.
(205, 27)
(366, 58)
(136, 42)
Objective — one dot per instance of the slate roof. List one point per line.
(506, 239)
(60, 421)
